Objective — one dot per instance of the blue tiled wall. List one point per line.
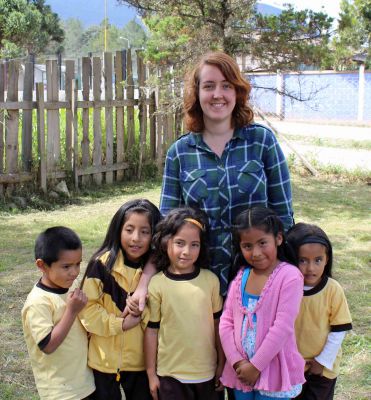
(332, 96)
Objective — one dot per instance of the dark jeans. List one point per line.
(317, 388)
(135, 386)
(172, 389)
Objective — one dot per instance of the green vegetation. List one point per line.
(27, 27)
(340, 207)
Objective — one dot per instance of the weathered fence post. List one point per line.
(42, 170)
(152, 120)
(160, 128)
(108, 113)
(142, 111)
(85, 141)
(70, 75)
(27, 117)
(53, 138)
(12, 122)
(130, 96)
(97, 148)
(75, 162)
(120, 60)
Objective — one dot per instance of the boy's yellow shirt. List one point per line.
(63, 374)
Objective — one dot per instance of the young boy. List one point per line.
(56, 341)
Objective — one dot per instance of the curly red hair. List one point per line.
(193, 114)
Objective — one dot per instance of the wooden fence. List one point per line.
(82, 142)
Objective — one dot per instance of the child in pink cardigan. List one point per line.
(257, 325)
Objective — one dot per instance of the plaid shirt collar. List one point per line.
(196, 140)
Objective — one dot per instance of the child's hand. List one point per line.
(218, 373)
(313, 367)
(76, 301)
(247, 373)
(154, 385)
(134, 305)
(130, 321)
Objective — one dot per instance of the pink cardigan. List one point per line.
(276, 354)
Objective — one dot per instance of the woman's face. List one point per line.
(217, 96)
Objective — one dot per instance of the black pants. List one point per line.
(172, 389)
(317, 388)
(134, 384)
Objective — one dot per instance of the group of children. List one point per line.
(267, 341)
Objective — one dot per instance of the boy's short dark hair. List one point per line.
(53, 240)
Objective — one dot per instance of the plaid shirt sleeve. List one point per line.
(171, 196)
(278, 181)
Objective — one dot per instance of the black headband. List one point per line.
(314, 239)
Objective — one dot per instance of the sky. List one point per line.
(330, 7)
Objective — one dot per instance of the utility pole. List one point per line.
(105, 25)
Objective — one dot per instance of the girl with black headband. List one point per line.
(324, 315)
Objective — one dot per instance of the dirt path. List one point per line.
(346, 158)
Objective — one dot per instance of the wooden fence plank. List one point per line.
(119, 95)
(41, 136)
(74, 88)
(53, 131)
(159, 133)
(97, 147)
(130, 96)
(85, 141)
(57, 105)
(11, 123)
(108, 113)
(70, 75)
(27, 117)
(142, 112)
(152, 120)
(2, 122)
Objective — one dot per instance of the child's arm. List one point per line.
(328, 354)
(150, 355)
(226, 329)
(130, 322)
(76, 301)
(221, 357)
(135, 304)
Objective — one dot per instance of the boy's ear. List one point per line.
(41, 265)
(279, 239)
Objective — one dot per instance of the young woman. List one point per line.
(225, 163)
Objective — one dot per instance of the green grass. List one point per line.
(328, 142)
(341, 208)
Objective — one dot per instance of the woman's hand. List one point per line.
(246, 372)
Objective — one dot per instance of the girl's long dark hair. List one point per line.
(169, 226)
(303, 233)
(112, 241)
(262, 218)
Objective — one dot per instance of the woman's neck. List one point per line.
(216, 136)
(218, 129)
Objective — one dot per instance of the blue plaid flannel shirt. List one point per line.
(251, 171)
